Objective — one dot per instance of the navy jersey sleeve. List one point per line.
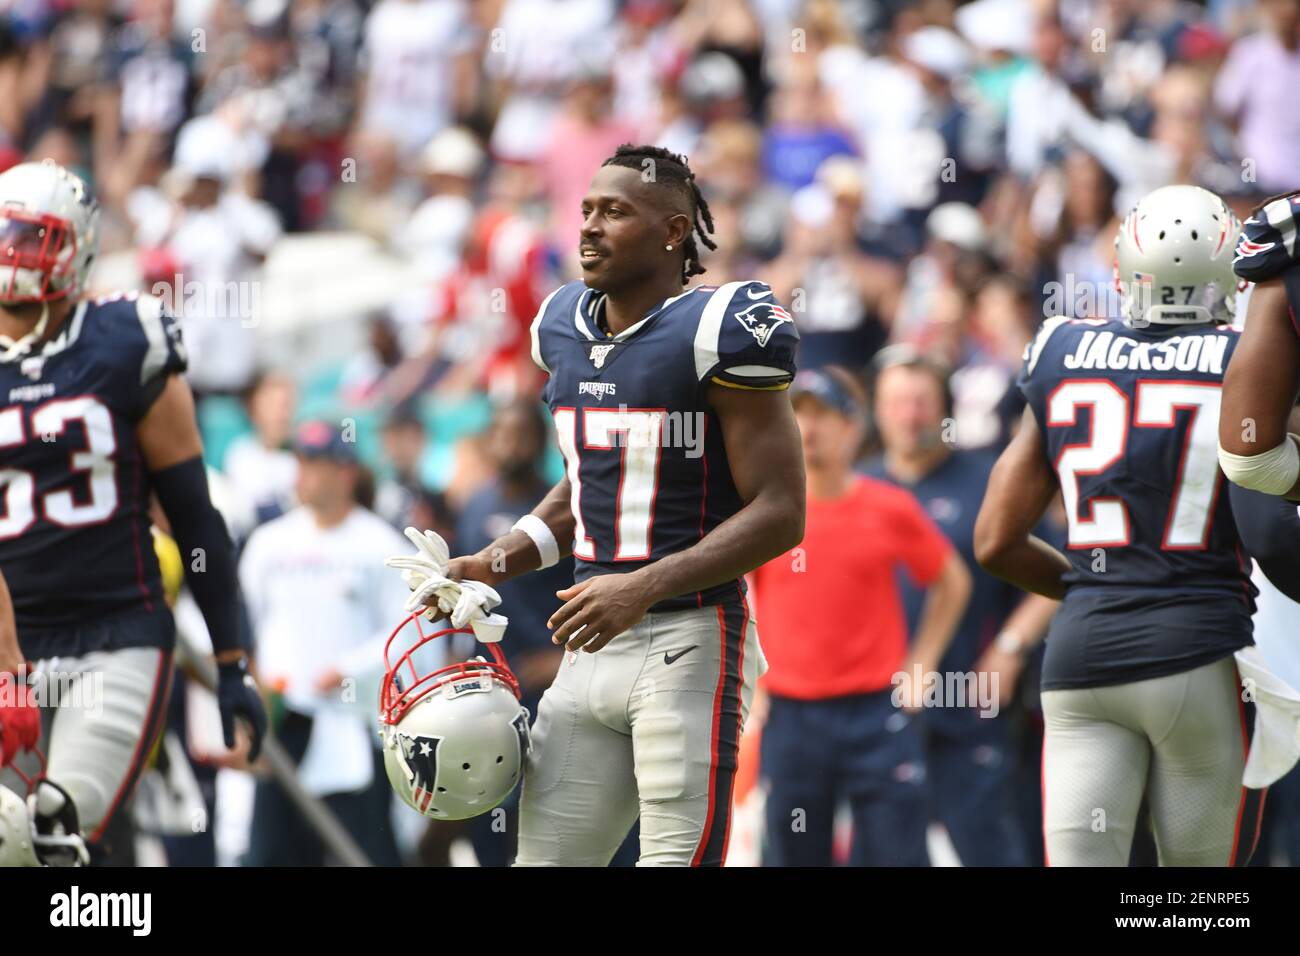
(1267, 245)
(746, 338)
(1270, 531)
(145, 349)
(1033, 381)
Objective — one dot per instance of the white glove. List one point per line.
(425, 573)
(476, 600)
(430, 558)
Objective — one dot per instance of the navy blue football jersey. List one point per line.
(1267, 248)
(642, 448)
(1130, 419)
(74, 528)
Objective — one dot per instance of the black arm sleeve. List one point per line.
(1270, 531)
(200, 531)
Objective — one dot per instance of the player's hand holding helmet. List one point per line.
(454, 737)
(435, 595)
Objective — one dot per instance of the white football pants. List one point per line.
(102, 713)
(1180, 739)
(650, 724)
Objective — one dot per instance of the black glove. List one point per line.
(237, 696)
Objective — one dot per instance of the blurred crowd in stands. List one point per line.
(927, 173)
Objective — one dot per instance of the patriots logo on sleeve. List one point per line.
(1267, 244)
(762, 319)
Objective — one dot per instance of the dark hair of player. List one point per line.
(672, 170)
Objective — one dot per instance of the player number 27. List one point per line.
(18, 486)
(636, 433)
(1158, 404)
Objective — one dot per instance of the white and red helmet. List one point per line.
(455, 737)
(49, 233)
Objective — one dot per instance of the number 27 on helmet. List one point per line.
(454, 737)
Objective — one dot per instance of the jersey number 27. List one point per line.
(1157, 406)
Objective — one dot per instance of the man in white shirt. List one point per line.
(419, 62)
(322, 607)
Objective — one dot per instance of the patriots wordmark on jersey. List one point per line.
(74, 491)
(642, 448)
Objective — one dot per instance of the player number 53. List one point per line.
(95, 461)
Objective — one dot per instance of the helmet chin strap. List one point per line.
(13, 348)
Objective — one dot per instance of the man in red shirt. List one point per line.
(843, 682)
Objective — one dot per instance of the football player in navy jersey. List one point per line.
(94, 419)
(684, 472)
(1260, 388)
(1141, 694)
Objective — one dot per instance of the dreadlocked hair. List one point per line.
(671, 169)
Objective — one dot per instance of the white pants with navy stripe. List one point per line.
(102, 713)
(649, 725)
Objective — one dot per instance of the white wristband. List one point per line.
(541, 535)
(1273, 472)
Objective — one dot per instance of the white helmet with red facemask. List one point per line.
(49, 234)
(455, 737)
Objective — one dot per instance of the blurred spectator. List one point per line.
(969, 757)
(478, 334)
(418, 61)
(146, 88)
(436, 233)
(729, 169)
(584, 133)
(1256, 90)
(362, 381)
(938, 173)
(953, 231)
(540, 48)
(516, 441)
(322, 604)
(842, 297)
(1039, 101)
(261, 468)
(801, 135)
(843, 687)
(404, 445)
(380, 202)
(270, 97)
(213, 238)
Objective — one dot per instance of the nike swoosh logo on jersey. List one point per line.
(670, 658)
(762, 294)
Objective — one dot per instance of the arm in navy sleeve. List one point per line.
(1270, 531)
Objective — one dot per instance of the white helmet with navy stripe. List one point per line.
(1173, 258)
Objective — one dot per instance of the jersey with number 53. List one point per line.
(74, 493)
(642, 448)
